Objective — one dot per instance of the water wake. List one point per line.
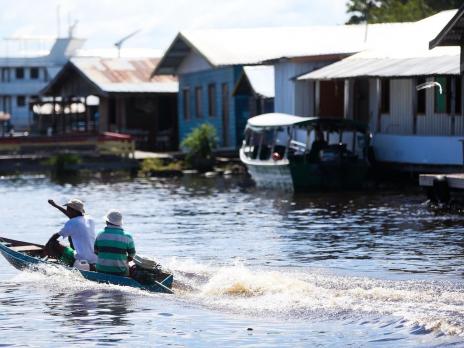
(424, 306)
(304, 294)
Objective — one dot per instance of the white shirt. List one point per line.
(81, 229)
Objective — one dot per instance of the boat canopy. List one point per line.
(275, 120)
(284, 120)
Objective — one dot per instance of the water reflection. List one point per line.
(240, 250)
(93, 308)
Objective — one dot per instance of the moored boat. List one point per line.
(24, 255)
(305, 153)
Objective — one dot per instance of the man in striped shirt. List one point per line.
(114, 247)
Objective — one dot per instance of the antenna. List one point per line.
(58, 24)
(72, 28)
(119, 43)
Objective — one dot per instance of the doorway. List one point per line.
(361, 100)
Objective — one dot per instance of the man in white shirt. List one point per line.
(79, 229)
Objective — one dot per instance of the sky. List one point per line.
(103, 22)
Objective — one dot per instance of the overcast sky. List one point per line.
(103, 22)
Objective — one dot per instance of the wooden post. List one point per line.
(123, 113)
(63, 115)
(453, 106)
(317, 99)
(414, 106)
(103, 111)
(347, 104)
(87, 115)
(378, 88)
(54, 125)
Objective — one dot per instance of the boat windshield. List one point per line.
(316, 143)
(327, 144)
(262, 144)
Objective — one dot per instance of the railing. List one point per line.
(100, 144)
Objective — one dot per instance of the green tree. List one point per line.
(384, 11)
(199, 145)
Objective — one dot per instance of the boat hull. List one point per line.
(23, 261)
(307, 177)
(269, 174)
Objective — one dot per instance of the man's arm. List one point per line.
(48, 249)
(130, 250)
(53, 204)
(95, 247)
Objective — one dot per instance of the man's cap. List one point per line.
(114, 217)
(76, 204)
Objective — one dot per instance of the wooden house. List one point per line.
(411, 97)
(254, 92)
(111, 94)
(210, 63)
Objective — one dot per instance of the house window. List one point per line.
(198, 106)
(186, 103)
(385, 96)
(19, 73)
(5, 75)
(443, 100)
(421, 97)
(20, 101)
(212, 100)
(34, 73)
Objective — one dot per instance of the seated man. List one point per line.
(80, 229)
(114, 247)
(318, 144)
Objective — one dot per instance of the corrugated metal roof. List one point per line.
(261, 79)
(387, 67)
(408, 55)
(125, 75)
(221, 47)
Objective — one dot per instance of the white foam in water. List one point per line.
(432, 306)
(60, 279)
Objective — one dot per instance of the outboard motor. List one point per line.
(147, 271)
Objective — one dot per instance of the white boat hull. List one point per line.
(269, 174)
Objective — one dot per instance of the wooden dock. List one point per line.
(455, 181)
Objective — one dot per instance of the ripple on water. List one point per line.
(378, 264)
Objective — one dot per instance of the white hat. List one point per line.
(114, 217)
(76, 204)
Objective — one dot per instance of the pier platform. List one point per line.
(455, 181)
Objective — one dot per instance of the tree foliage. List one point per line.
(384, 11)
(199, 145)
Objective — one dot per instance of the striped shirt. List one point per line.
(112, 247)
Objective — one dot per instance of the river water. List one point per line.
(252, 268)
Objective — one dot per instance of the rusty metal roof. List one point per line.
(125, 75)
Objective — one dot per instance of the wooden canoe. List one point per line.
(23, 255)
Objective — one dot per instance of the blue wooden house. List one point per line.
(210, 65)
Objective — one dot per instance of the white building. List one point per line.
(413, 128)
(22, 76)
